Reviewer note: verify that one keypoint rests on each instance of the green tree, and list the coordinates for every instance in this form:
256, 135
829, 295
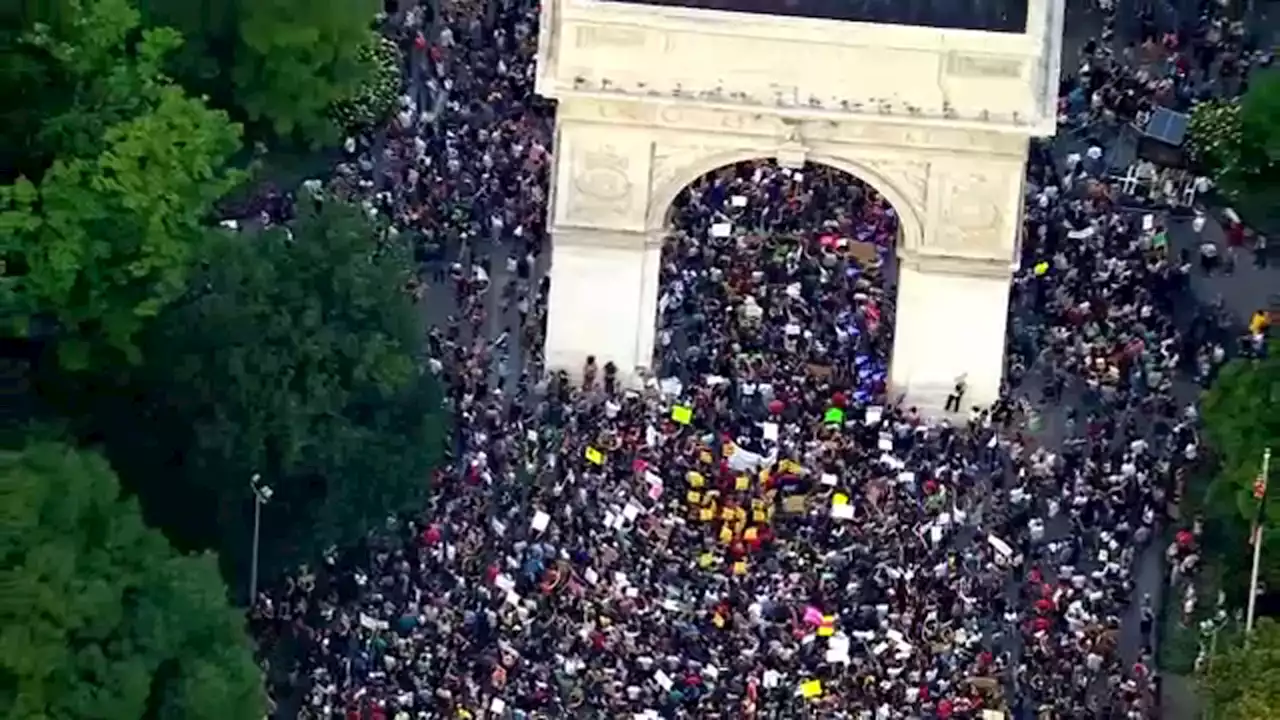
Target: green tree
1260, 125
100, 619
298, 358
1238, 140
106, 237
295, 60
1244, 682
1241, 414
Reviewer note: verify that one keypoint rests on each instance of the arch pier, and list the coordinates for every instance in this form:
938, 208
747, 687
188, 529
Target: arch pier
620, 164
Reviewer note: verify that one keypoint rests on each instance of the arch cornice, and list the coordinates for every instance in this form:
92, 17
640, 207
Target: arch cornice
701, 161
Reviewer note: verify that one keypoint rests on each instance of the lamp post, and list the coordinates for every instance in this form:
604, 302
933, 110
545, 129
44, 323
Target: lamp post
261, 495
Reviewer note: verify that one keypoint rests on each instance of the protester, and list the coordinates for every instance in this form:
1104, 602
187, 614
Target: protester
762, 530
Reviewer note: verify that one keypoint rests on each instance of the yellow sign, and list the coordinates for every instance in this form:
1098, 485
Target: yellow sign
682, 414
594, 456
740, 567
811, 689
840, 499
695, 479
742, 483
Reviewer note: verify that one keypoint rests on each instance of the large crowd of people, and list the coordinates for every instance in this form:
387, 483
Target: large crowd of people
762, 530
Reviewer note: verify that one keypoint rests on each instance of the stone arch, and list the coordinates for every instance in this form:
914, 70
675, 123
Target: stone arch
701, 162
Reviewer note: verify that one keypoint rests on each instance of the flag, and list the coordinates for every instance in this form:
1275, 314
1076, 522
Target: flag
1260, 497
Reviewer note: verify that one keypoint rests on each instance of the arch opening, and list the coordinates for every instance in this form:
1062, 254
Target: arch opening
665, 193
770, 272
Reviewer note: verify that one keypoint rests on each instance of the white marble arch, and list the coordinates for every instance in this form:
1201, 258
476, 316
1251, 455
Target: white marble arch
936, 121
958, 208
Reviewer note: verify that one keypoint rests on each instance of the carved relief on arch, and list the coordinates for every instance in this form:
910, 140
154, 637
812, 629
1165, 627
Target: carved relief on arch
603, 180
908, 177
973, 210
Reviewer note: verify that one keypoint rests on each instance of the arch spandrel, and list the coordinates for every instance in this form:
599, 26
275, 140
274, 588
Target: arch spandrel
676, 167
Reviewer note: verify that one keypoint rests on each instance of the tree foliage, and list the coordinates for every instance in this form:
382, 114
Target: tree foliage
105, 238
375, 100
1239, 140
1244, 682
296, 59
100, 618
1241, 414
296, 359
278, 64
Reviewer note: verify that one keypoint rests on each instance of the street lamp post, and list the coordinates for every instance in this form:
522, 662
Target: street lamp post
261, 495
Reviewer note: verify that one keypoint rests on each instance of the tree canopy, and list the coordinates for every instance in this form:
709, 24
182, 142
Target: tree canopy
190, 355
1241, 414
298, 358
1244, 682
105, 237
101, 618
278, 64
296, 59
1238, 141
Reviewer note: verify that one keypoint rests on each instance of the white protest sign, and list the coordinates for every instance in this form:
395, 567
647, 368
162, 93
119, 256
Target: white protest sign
838, 649
540, 521
738, 201
663, 679
874, 413
1001, 546
842, 512
770, 430
721, 230
369, 623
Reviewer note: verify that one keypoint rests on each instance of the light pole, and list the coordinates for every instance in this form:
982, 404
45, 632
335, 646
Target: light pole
261, 495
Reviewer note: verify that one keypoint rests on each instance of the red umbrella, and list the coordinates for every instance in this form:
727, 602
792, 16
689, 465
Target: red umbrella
776, 407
